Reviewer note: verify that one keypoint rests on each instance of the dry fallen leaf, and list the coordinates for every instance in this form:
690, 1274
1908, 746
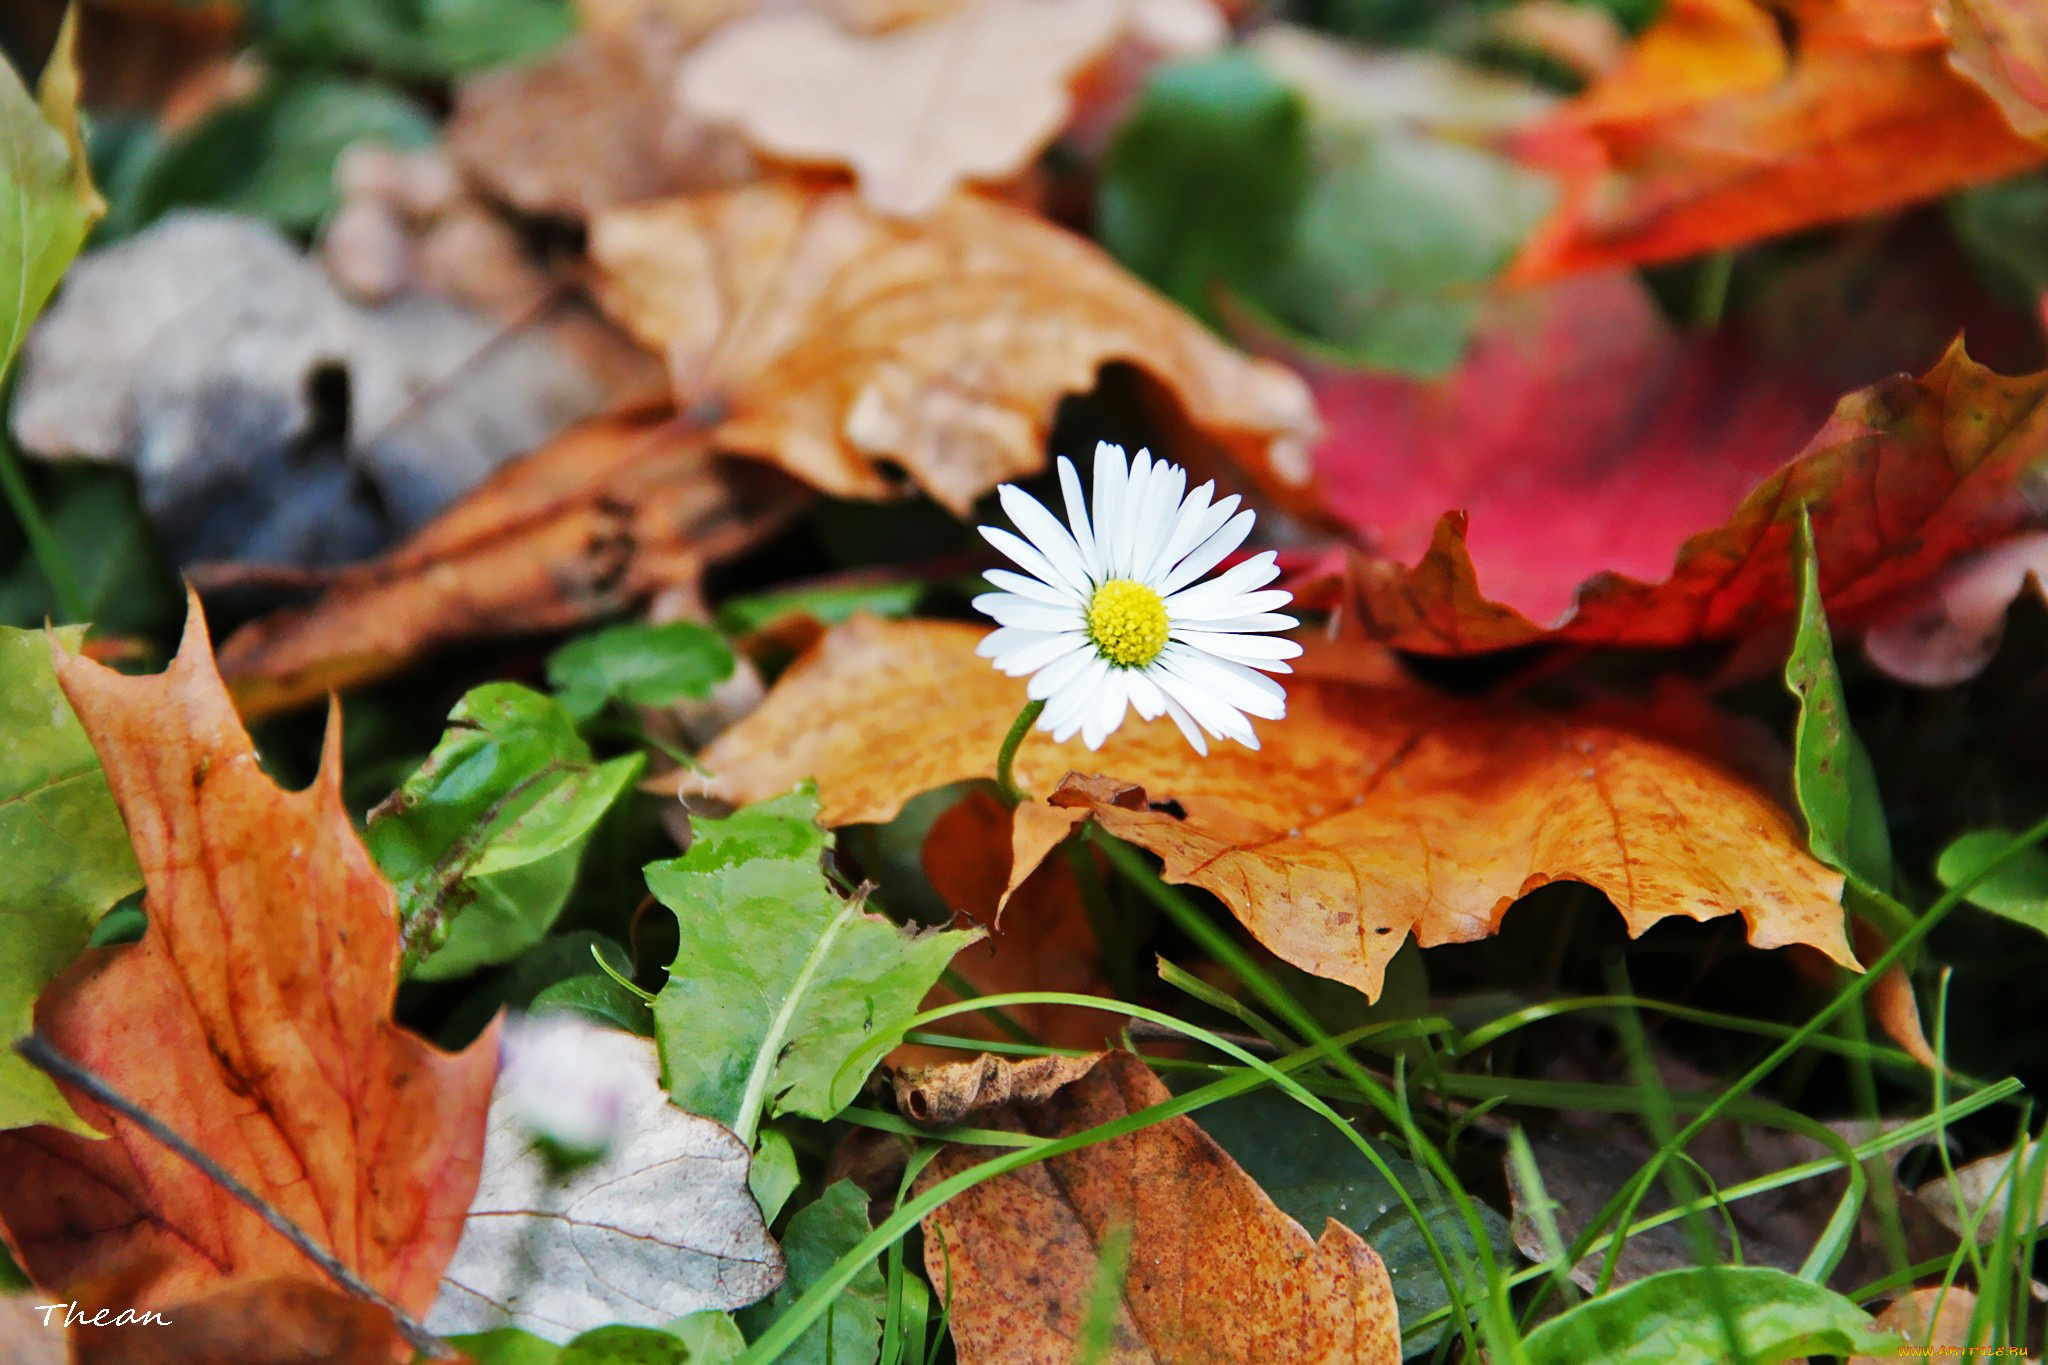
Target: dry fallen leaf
254, 1017
1723, 127
1372, 812
1935, 1321
947, 1092
1216, 1273
1906, 476
915, 110
602, 517
1948, 631
803, 327
2002, 45
1039, 936
659, 1226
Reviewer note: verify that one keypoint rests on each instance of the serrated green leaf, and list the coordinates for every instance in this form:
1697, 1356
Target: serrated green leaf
64, 857
272, 155
850, 1333
47, 200
483, 842
412, 39
641, 665
2017, 891
1314, 1173
1832, 777
1683, 1317
778, 981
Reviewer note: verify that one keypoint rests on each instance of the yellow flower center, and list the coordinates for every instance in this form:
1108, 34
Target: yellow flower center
1127, 623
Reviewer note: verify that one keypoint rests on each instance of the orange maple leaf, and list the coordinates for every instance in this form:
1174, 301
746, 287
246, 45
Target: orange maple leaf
1371, 813
254, 1018
1721, 129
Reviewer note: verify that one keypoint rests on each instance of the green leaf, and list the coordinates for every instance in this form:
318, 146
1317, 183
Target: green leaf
778, 981
1201, 185
47, 201
1682, 1317
642, 665
483, 842
600, 999
614, 1345
2017, 891
850, 1333
98, 527
272, 156
713, 1338
773, 1177
64, 857
828, 606
2003, 227
411, 39
1831, 774
1315, 1173
506, 1346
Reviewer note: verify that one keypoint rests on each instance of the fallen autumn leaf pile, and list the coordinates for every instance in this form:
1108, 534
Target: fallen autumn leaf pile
878, 681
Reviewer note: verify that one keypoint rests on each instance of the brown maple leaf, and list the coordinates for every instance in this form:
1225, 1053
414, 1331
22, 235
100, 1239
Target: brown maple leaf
1217, 1275
803, 327
254, 1018
1372, 811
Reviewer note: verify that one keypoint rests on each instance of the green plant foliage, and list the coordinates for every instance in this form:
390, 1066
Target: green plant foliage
64, 857
411, 39
1356, 229
272, 156
712, 1338
641, 665
2017, 891
1683, 1317
850, 1333
2003, 227
614, 1345
47, 200
773, 1177
779, 981
1831, 772
1314, 1173
98, 528
827, 605
1200, 188
483, 842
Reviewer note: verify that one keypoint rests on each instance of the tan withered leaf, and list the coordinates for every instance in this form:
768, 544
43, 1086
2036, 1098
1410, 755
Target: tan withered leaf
2002, 45
805, 328
602, 517
1371, 813
254, 1018
1216, 1274
914, 110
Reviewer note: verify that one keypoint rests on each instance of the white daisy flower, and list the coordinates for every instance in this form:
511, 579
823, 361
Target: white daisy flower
1113, 611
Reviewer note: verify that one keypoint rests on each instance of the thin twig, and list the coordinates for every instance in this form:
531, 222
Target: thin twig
41, 1055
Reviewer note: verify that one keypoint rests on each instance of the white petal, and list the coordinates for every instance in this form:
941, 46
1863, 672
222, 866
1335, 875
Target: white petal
1223, 595
1077, 519
1041, 654
1072, 704
1054, 676
1235, 684
1008, 640
1246, 605
1189, 730
1008, 609
1243, 648
1208, 554
1044, 531
1024, 585
1146, 698
1238, 625
1110, 479
1019, 550
1209, 711
1156, 525
1188, 521
1107, 712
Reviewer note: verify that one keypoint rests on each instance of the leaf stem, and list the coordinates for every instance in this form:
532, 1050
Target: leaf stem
755, 1097
38, 1052
1006, 782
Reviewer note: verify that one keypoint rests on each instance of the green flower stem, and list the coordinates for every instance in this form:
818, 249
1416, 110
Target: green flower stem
1006, 782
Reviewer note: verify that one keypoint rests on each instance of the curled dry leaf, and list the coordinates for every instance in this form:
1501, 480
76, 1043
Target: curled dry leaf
254, 1019
2002, 45
1721, 128
803, 327
1039, 935
950, 1091
1934, 1321
1215, 1273
1905, 477
604, 516
661, 1225
1946, 633
1371, 813
970, 94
